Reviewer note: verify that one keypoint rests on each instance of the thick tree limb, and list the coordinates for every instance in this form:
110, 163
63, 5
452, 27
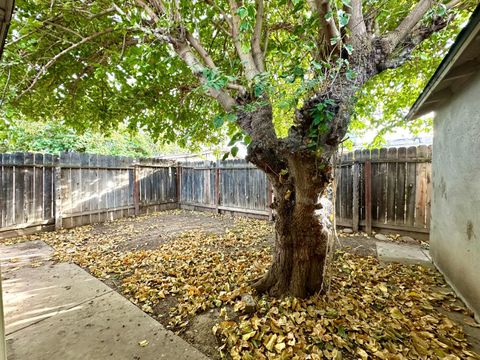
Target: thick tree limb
413, 39
185, 53
207, 59
356, 25
257, 37
329, 29
200, 50
409, 22
148, 10
245, 57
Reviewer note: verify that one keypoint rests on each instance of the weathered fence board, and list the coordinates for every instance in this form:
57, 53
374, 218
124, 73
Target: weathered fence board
227, 186
400, 189
74, 189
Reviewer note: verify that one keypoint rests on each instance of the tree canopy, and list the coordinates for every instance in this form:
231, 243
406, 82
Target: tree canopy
96, 64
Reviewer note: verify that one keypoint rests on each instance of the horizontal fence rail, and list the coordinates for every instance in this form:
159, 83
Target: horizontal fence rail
382, 188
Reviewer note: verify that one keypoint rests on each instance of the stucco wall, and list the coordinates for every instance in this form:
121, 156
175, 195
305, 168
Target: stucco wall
455, 225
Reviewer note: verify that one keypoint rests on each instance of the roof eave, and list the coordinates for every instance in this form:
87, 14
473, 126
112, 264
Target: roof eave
6, 10
463, 39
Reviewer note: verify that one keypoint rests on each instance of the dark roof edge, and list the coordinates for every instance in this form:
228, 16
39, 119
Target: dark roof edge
5, 23
447, 62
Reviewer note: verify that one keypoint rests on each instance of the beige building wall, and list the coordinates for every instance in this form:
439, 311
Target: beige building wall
455, 226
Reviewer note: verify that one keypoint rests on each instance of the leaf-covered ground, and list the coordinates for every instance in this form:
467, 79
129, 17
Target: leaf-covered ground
372, 311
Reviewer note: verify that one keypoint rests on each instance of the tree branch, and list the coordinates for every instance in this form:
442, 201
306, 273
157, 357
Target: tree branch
356, 25
185, 53
200, 50
256, 37
409, 22
148, 10
245, 57
207, 59
63, 28
54, 59
322, 8
413, 39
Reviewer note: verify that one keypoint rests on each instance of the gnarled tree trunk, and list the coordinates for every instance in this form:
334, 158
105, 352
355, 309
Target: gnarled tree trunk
302, 238
302, 235
300, 170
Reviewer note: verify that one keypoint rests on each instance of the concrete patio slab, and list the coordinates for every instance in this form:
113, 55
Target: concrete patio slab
404, 254
60, 312
34, 294
22, 254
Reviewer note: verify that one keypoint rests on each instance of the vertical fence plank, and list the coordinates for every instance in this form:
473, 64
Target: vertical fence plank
376, 183
421, 188
38, 188
136, 190
355, 195
28, 189
382, 189
3, 191
363, 157
18, 174
411, 186
400, 189
391, 188
217, 188
58, 196
368, 196
48, 189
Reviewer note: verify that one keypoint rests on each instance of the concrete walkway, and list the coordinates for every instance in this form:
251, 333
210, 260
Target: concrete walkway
403, 253
59, 311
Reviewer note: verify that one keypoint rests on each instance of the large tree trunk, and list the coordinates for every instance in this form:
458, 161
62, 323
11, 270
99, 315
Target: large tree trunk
303, 236
300, 169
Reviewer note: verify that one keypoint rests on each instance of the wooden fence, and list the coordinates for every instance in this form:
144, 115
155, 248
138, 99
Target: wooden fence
44, 191
386, 188
227, 186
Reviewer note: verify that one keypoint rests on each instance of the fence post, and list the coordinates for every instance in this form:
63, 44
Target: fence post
355, 196
179, 185
136, 189
368, 197
217, 187
57, 185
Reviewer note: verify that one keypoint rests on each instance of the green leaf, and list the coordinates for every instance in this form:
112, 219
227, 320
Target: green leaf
218, 121
334, 40
350, 74
234, 151
349, 48
242, 12
343, 18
